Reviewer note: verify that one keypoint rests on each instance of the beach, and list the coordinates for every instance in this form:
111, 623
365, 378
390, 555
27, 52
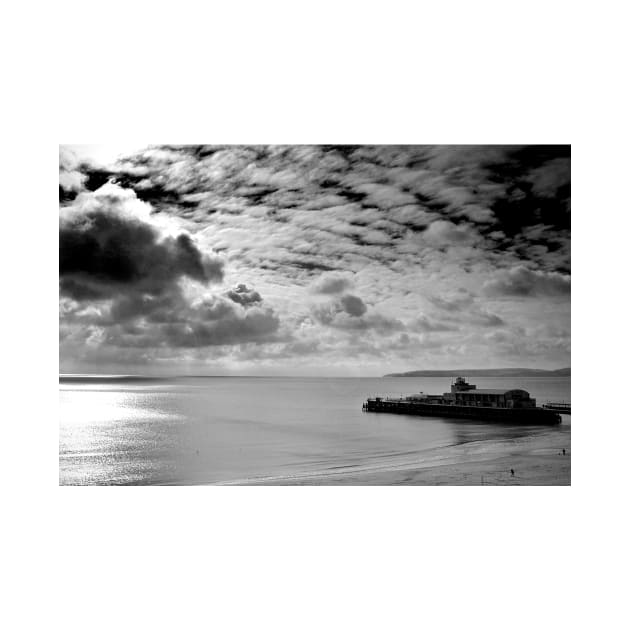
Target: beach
538, 462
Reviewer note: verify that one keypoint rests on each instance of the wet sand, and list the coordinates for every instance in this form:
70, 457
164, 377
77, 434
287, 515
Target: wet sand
536, 462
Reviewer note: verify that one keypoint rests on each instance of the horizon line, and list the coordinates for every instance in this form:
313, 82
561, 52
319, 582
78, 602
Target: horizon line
180, 375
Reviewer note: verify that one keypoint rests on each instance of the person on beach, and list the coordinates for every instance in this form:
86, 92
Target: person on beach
512, 471
564, 452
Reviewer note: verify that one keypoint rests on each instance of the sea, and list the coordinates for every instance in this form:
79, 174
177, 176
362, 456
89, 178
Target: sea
119, 430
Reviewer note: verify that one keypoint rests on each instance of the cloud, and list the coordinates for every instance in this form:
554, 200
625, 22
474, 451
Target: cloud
415, 230
364, 195
243, 295
71, 179
484, 318
458, 310
348, 306
384, 196
441, 233
524, 282
349, 313
426, 324
230, 327
550, 178
353, 305
108, 245
174, 320
174, 323
453, 301
115, 254
331, 283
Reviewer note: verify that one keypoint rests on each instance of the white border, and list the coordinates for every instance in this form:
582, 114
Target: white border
315, 557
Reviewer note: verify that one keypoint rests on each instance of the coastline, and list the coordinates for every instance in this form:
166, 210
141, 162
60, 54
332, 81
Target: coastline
536, 461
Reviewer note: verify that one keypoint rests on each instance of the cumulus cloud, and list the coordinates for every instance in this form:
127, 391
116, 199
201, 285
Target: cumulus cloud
330, 283
346, 305
108, 246
350, 313
131, 270
524, 282
71, 178
230, 327
173, 322
244, 296
352, 305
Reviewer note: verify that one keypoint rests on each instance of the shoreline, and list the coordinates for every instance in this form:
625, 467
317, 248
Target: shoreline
536, 462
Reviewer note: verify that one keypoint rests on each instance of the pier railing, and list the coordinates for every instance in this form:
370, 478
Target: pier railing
396, 396
562, 407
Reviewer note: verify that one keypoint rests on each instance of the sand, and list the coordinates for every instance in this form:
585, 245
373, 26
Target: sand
536, 462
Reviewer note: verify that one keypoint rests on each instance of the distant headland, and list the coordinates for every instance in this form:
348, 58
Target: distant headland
491, 372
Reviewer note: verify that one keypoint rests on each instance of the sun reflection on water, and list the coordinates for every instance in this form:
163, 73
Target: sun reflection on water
113, 436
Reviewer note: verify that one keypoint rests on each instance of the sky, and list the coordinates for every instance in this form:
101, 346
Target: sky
323, 260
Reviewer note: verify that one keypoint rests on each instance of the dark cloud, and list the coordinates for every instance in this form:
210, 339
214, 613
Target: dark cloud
168, 307
349, 313
311, 265
172, 320
255, 325
352, 305
105, 249
112, 254
524, 282
244, 296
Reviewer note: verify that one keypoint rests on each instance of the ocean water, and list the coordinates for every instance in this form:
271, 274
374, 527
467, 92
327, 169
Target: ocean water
199, 430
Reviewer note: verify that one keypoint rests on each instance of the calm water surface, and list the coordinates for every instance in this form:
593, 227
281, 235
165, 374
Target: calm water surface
218, 430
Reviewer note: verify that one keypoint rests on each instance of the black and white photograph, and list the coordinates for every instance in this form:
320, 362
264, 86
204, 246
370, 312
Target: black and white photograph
315, 314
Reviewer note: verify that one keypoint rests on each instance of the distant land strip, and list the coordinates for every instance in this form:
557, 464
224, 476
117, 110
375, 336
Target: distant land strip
107, 378
492, 372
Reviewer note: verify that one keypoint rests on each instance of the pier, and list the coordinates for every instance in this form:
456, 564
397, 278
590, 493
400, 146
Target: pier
561, 407
467, 402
